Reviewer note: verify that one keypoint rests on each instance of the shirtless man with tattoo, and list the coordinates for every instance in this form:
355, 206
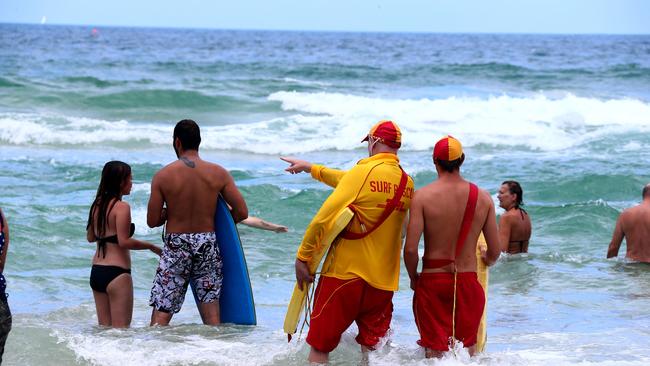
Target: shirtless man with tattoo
184, 197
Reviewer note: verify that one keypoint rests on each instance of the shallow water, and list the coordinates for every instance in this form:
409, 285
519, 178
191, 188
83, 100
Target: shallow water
567, 116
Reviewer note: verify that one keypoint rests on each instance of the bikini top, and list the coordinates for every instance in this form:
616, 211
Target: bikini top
520, 242
465, 226
101, 242
522, 212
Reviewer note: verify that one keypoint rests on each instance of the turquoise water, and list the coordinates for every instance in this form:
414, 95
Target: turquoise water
567, 116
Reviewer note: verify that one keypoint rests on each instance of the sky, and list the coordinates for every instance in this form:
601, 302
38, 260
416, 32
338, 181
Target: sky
448, 16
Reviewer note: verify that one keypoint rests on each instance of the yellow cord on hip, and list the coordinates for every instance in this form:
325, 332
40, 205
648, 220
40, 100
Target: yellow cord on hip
453, 313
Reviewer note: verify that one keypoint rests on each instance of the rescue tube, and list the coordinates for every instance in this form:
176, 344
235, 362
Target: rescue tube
483, 276
299, 297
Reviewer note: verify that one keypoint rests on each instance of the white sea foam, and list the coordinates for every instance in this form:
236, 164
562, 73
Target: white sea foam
139, 218
52, 129
147, 349
537, 122
334, 121
115, 347
633, 146
193, 344
306, 82
141, 188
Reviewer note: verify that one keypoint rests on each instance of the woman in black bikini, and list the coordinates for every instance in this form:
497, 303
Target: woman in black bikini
514, 225
109, 224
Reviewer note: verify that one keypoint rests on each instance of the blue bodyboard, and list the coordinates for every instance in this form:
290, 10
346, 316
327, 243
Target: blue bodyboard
236, 302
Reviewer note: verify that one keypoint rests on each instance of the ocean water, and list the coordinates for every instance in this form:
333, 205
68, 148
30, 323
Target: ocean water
567, 116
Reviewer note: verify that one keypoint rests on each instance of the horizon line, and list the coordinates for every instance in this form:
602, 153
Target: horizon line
324, 30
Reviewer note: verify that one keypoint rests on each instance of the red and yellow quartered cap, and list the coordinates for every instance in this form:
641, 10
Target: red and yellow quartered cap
447, 148
387, 132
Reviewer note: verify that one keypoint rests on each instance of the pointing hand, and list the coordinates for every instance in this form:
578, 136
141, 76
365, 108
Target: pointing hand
297, 165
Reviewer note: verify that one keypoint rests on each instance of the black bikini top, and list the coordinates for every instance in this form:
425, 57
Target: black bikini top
522, 212
101, 242
520, 242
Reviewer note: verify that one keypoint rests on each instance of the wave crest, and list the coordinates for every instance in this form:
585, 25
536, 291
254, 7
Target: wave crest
335, 121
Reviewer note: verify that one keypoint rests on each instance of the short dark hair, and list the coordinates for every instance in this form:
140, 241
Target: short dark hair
450, 165
188, 133
646, 190
515, 188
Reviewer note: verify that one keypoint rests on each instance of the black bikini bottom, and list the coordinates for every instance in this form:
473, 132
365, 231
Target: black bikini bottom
101, 276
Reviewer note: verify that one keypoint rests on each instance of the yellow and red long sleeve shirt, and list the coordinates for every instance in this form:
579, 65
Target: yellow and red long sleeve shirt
368, 186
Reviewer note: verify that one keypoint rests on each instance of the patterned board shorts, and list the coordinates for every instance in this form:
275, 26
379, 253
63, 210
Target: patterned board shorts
187, 257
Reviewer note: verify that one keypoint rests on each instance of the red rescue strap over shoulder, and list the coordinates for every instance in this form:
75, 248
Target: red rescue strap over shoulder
467, 218
390, 207
465, 227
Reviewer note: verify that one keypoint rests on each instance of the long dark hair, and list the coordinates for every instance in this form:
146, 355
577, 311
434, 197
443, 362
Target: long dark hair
114, 175
515, 188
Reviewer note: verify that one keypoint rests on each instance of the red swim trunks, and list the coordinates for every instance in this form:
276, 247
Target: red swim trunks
433, 305
338, 303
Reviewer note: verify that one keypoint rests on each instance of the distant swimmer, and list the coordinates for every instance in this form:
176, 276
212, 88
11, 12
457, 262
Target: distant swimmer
633, 225
451, 213
357, 284
189, 188
109, 224
514, 225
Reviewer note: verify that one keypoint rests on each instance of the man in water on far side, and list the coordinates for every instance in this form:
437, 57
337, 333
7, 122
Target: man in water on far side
633, 225
514, 225
448, 302
189, 187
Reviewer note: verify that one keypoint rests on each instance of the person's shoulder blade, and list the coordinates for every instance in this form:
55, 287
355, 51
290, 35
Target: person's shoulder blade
215, 171
427, 195
484, 195
165, 171
629, 212
485, 200
214, 166
121, 207
169, 166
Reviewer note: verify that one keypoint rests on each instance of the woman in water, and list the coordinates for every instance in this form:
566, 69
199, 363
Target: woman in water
514, 225
109, 224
